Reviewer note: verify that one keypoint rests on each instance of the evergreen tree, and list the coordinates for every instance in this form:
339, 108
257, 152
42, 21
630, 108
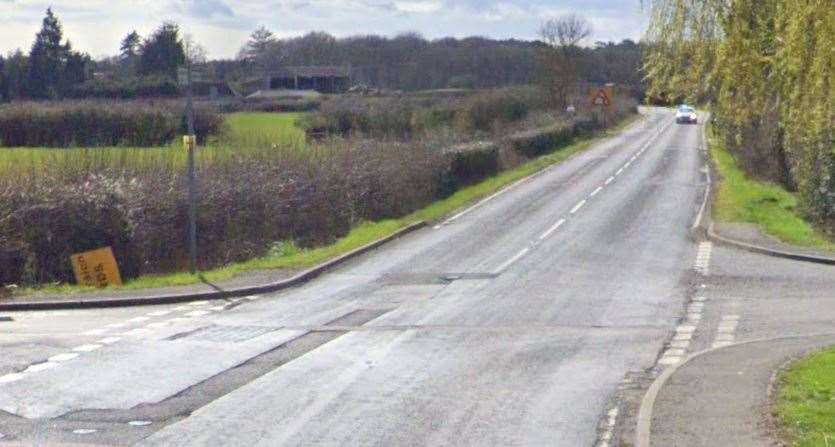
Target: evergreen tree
46, 59
163, 52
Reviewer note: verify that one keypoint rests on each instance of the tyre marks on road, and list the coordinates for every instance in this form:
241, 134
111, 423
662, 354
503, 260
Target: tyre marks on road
189, 312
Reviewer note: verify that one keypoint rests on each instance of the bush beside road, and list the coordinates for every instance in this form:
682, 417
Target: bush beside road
740, 198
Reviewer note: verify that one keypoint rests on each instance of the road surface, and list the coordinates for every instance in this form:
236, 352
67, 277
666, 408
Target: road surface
513, 323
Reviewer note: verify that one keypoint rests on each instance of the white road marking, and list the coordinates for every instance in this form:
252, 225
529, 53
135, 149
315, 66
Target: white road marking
703, 258
596, 191
95, 332
683, 337
686, 329
108, 340
8, 378
40, 367
156, 325
680, 344
84, 431
551, 230
512, 260
86, 348
667, 361
138, 320
135, 332
578, 206
198, 313
627, 165
620, 171
254, 297
609, 181
198, 303
160, 313
180, 308
217, 308
139, 423
116, 325
63, 357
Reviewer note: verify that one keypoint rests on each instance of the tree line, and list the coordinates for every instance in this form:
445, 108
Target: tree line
148, 66
411, 62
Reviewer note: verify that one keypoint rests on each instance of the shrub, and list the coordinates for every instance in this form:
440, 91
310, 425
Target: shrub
95, 123
127, 88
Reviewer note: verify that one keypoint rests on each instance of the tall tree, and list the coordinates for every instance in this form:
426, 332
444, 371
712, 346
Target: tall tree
563, 56
258, 44
47, 58
129, 50
163, 52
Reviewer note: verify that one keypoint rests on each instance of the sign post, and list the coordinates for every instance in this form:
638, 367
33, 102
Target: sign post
96, 268
601, 97
190, 143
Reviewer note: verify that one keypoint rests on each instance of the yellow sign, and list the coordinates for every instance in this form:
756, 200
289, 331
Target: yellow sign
601, 96
96, 268
190, 142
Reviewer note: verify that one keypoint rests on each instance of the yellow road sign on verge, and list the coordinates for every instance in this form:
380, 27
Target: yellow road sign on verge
96, 268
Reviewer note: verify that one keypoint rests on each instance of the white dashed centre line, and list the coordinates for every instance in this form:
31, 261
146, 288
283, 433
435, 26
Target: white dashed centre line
512, 260
40, 367
551, 230
609, 181
8, 378
620, 171
108, 340
159, 313
578, 206
63, 357
596, 191
86, 348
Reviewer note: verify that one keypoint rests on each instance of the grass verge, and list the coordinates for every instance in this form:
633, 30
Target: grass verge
806, 401
769, 206
290, 257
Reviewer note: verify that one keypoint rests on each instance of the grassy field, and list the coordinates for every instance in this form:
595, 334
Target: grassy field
806, 401
258, 129
742, 199
244, 131
291, 257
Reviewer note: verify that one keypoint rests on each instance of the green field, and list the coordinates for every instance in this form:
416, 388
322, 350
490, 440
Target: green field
243, 132
745, 200
806, 401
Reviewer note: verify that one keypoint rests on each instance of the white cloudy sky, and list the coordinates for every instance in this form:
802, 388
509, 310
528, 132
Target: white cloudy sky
96, 26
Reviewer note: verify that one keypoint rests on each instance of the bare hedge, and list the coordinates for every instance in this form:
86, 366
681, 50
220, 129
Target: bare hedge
100, 123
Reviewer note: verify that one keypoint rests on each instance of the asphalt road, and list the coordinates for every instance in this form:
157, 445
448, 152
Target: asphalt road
514, 323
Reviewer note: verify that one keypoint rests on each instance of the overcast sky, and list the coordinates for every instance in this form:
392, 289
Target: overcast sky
96, 26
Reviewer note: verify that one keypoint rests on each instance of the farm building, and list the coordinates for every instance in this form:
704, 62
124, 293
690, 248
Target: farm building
320, 79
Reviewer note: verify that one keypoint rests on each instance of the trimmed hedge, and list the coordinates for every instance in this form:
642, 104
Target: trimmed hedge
100, 123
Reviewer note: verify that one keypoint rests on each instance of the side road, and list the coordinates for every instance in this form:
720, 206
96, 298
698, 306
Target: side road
756, 314
250, 283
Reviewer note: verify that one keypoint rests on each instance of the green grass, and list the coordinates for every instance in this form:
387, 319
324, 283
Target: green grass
290, 257
250, 129
769, 206
244, 132
806, 401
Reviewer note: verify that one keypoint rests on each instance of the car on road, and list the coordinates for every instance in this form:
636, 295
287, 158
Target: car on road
686, 115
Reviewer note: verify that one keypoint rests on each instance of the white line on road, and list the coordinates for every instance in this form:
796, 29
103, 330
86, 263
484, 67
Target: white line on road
138, 320
38, 367
8, 378
511, 261
578, 206
609, 181
596, 191
63, 357
159, 313
86, 348
620, 171
198, 313
551, 230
